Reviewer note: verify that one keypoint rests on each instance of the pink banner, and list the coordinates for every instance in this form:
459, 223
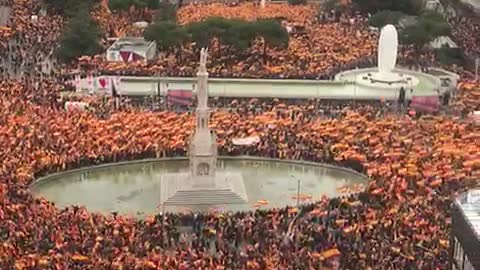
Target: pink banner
425, 103
181, 97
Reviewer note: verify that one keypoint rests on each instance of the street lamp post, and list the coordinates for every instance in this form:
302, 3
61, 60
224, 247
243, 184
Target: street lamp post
477, 64
298, 192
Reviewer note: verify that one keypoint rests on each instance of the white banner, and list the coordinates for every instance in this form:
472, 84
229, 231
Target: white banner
246, 141
104, 83
475, 116
77, 82
75, 106
90, 83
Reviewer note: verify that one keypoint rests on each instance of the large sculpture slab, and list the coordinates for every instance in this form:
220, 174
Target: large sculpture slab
387, 49
387, 56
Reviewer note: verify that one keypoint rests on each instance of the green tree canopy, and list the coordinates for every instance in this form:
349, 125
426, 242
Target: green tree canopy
334, 5
449, 56
119, 5
115, 5
384, 17
272, 31
235, 34
166, 12
428, 27
410, 7
69, 7
239, 35
167, 34
80, 37
297, 2
435, 23
273, 34
200, 33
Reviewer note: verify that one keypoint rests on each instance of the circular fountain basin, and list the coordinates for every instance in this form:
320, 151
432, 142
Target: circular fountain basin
133, 188
390, 81
369, 79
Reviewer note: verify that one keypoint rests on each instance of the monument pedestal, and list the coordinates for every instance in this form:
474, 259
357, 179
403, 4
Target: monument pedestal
181, 189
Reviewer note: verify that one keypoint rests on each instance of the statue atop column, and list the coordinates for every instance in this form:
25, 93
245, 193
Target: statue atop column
203, 145
203, 60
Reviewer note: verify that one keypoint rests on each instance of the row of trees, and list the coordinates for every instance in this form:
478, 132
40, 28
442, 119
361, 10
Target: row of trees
236, 35
82, 34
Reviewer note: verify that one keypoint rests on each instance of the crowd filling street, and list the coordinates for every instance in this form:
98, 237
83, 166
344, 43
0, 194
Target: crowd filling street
417, 162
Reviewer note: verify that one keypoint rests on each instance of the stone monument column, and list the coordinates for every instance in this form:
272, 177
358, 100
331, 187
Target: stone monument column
203, 184
203, 147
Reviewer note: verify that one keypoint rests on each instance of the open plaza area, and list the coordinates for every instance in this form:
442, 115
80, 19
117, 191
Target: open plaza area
239, 135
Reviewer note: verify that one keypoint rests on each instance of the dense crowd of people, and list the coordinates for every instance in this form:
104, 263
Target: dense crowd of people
463, 29
417, 164
399, 222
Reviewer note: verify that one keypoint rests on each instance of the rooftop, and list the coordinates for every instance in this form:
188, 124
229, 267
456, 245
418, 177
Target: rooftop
131, 44
469, 203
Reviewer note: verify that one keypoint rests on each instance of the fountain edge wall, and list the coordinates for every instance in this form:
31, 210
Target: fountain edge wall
154, 160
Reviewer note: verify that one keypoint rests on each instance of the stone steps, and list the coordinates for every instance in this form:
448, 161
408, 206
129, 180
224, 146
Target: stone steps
206, 196
180, 189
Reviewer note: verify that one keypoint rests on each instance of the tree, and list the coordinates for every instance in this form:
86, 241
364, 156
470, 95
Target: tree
166, 12
116, 5
297, 2
428, 27
239, 35
334, 5
151, 4
68, 7
168, 35
120, 5
435, 24
273, 34
410, 7
449, 56
80, 37
415, 35
382, 18
200, 33
234, 33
